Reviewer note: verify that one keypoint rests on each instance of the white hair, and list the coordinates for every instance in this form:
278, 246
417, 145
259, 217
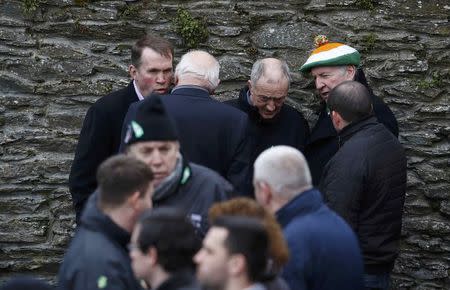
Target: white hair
261, 66
200, 65
284, 169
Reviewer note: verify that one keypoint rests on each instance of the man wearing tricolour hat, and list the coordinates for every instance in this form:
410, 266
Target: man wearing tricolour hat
332, 63
153, 138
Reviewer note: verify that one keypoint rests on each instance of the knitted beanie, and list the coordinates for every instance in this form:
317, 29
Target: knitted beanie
151, 123
330, 54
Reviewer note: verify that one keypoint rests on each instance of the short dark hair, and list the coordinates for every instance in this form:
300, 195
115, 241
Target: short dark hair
247, 236
119, 177
157, 43
172, 235
351, 100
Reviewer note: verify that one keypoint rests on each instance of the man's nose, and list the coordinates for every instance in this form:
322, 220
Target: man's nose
319, 83
156, 158
160, 77
270, 105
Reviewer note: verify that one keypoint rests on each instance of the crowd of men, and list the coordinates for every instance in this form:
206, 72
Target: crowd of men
175, 190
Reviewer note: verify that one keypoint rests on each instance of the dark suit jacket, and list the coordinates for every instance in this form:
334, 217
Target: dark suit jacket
211, 134
99, 139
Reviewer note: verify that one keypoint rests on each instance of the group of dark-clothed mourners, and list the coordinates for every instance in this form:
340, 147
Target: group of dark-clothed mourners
174, 189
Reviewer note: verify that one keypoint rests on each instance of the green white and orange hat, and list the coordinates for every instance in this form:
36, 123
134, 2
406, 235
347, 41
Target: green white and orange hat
330, 54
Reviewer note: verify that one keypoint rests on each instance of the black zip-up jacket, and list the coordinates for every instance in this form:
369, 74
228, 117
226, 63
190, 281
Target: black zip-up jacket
365, 183
323, 143
288, 127
97, 257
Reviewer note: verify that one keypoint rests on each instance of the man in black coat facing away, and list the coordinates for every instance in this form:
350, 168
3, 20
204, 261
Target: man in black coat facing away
365, 181
210, 133
151, 70
98, 257
331, 64
271, 121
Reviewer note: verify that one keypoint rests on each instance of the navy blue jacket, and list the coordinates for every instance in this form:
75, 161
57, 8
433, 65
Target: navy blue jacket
323, 142
324, 250
97, 255
288, 127
211, 134
99, 139
365, 183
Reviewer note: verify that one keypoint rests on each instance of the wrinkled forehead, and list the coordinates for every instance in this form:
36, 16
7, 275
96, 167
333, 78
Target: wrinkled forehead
326, 69
272, 87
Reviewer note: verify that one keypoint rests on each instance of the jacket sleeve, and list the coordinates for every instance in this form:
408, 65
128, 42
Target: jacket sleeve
131, 114
342, 185
94, 146
239, 171
303, 135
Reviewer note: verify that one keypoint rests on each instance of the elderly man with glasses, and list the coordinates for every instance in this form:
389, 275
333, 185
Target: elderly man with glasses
271, 121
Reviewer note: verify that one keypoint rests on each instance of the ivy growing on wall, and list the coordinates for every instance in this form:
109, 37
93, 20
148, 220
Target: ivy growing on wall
192, 30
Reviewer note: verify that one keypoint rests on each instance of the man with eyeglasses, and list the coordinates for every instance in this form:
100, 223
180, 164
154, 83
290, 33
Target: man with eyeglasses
271, 121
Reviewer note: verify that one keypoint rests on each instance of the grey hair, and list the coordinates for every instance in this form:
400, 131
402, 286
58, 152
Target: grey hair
208, 72
259, 68
284, 169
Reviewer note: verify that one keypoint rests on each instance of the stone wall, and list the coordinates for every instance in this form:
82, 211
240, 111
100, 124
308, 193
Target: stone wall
59, 56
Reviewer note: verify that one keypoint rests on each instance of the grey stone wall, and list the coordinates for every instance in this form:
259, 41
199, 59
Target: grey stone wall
58, 57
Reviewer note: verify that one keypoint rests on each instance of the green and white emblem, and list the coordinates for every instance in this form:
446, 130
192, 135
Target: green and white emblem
102, 282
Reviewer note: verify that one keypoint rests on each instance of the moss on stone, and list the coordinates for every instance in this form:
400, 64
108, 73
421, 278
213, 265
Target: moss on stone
30, 6
434, 82
81, 2
128, 11
192, 30
365, 4
368, 41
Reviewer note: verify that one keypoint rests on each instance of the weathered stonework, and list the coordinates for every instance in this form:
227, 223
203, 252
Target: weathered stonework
58, 56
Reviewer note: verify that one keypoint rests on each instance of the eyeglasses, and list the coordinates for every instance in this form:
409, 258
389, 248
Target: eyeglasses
266, 99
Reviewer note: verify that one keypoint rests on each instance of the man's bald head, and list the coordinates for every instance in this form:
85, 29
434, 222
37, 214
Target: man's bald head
270, 70
351, 100
198, 67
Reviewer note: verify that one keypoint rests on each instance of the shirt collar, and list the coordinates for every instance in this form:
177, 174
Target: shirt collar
189, 87
138, 93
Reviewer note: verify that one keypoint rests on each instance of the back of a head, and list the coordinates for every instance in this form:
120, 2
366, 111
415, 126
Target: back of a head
25, 283
201, 66
119, 177
173, 236
351, 100
285, 169
243, 206
248, 237
271, 70
154, 42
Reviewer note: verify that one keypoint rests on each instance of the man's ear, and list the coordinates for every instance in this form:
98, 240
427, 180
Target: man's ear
350, 72
132, 71
249, 83
236, 264
266, 194
337, 120
133, 199
152, 253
